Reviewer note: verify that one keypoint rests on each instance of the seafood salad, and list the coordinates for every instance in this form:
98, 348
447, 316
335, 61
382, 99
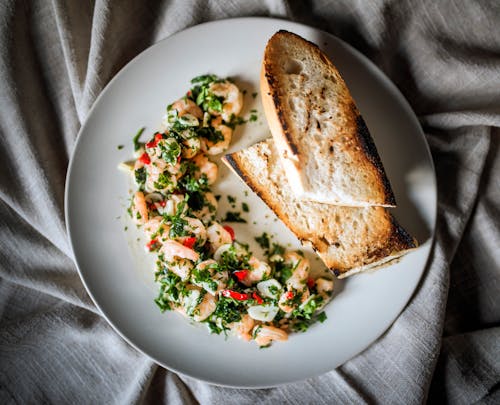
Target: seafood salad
203, 272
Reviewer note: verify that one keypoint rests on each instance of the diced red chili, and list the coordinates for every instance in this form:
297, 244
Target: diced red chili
289, 295
151, 245
240, 274
158, 137
230, 231
257, 298
162, 203
189, 242
235, 295
144, 158
310, 282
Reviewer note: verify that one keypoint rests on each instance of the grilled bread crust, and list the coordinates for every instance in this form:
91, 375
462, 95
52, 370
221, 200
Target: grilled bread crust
348, 239
326, 149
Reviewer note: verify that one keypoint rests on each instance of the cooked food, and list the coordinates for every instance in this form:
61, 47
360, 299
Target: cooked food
324, 145
202, 271
348, 239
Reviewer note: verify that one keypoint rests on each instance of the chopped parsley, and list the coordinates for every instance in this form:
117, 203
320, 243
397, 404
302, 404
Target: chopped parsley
263, 241
254, 94
135, 140
170, 150
119, 147
244, 207
140, 177
232, 216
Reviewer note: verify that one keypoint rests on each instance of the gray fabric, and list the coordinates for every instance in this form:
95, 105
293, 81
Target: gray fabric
55, 59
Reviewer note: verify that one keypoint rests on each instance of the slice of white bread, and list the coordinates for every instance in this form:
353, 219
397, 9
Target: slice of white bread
348, 239
325, 146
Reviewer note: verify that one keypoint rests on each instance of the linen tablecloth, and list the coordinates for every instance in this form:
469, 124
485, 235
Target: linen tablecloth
56, 57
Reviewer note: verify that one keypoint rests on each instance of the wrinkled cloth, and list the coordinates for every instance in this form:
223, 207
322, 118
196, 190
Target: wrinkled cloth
56, 57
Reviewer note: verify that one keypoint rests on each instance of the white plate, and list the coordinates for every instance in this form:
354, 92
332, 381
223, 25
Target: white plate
118, 274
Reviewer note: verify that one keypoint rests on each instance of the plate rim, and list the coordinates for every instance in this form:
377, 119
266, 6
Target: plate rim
387, 81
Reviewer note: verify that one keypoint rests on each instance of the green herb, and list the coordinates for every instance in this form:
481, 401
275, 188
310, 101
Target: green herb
204, 276
140, 177
204, 80
235, 121
322, 317
233, 217
276, 250
228, 310
211, 134
163, 182
231, 199
254, 94
245, 207
120, 147
135, 140
253, 118
178, 228
217, 197
196, 201
170, 150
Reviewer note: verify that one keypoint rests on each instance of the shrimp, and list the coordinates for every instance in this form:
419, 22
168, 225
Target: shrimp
172, 249
139, 208
300, 273
185, 106
198, 304
155, 226
324, 286
287, 303
191, 147
244, 327
219, 146
233, 99
194, 227
205, 308
264, 334
218, 279
207, 167
161, 176
217, 236
182, 268
258, 270
172, 205
209, 207
296, 283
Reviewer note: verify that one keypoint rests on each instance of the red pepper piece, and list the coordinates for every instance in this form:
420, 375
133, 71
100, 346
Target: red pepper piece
179, 159
189, 242
257, 298
235, 295
240, 274
289, 295
158, 137
144, 158
310, 282
230, 231
162, 203
151, 244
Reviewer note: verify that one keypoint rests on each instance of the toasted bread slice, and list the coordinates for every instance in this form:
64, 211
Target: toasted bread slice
348, 239
325, 146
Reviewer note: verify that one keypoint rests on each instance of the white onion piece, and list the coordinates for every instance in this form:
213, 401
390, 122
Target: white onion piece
263, 313
265, 288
